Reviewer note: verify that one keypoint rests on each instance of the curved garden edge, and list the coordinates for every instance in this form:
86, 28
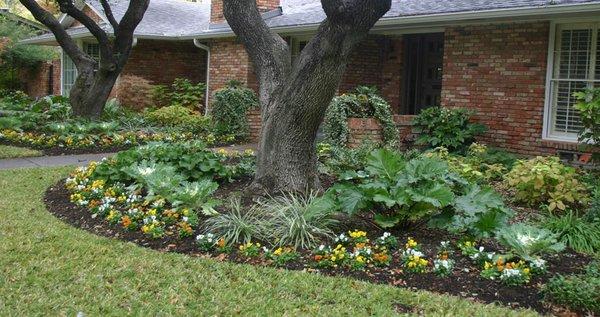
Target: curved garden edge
465, 283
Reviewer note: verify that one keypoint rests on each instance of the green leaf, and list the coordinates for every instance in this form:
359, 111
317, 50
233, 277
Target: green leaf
385, 163
386, 221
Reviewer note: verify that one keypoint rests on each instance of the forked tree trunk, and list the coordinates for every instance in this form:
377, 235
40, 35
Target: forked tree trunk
92, 88
294, 98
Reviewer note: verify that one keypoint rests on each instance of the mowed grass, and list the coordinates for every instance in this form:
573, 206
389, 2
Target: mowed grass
49, 268
8, 151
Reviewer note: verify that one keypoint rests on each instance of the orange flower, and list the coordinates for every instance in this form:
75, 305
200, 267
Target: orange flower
221, 243
94, 203
360, 246
126, 221
318, 258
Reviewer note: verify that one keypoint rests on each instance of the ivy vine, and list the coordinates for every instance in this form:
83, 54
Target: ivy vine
363, 102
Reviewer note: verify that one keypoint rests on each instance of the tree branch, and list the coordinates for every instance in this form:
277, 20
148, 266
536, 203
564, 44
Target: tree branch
131, 19
68, 7
109, 15
268, 52
62, 37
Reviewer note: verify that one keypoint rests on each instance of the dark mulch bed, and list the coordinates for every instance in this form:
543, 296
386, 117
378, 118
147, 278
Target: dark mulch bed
57, 150
465, 281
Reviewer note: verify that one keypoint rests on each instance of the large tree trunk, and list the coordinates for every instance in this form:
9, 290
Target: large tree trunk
294, 98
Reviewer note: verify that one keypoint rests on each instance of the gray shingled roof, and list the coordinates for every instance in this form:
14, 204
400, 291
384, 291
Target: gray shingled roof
174, 19
163, 19
303, 12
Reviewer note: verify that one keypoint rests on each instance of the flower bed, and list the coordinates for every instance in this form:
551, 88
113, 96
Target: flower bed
171, 197
463, 278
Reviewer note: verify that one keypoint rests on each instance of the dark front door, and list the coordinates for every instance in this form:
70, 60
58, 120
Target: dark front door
423, 64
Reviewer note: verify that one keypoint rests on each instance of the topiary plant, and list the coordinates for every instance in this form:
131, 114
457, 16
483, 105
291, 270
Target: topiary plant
450, 128
364, 102
545, 180
229, 109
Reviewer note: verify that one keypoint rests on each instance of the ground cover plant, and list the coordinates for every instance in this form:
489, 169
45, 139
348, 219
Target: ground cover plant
407, 219
7, 151
48, 124
86, 271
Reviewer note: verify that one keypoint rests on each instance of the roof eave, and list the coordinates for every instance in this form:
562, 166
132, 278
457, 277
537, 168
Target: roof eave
521, 12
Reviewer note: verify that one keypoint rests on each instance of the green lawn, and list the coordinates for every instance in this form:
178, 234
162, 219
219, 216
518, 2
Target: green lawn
50, 268
7, 151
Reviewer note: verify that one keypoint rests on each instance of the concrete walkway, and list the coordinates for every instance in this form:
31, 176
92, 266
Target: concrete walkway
49, 161
81, 159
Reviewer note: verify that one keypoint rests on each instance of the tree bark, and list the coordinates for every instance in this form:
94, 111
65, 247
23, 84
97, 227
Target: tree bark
92, 87
294, 98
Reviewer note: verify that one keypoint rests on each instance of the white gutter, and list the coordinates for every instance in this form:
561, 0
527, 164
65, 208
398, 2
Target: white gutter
207, 49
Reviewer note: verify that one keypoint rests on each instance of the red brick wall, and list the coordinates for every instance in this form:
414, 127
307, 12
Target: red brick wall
229, 61
216, 10
255, 123
56, 75
89, 12
369, 130
161, 62
376, 62
500, 71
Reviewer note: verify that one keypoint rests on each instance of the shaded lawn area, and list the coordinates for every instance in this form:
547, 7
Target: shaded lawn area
50, 268
9, 151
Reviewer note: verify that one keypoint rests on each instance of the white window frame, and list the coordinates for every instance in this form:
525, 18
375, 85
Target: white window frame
550, 71
63, 57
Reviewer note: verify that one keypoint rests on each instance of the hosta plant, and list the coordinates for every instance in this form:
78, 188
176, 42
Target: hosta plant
545, 180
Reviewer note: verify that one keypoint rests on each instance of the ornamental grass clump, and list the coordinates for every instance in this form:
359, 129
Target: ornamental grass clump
302, 222
546, 181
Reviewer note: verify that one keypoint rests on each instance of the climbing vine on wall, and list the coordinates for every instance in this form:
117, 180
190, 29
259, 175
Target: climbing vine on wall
363, 102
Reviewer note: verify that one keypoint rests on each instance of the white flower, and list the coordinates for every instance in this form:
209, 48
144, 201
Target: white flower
538, 263
199, 237
508, 273
526, 240
321, 247
144, 171
185, 219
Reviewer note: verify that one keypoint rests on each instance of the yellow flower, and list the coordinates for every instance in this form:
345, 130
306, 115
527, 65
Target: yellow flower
410, 244
357, 234
152, 212
278, 251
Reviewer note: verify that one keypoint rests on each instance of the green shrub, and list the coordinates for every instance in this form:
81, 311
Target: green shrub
475, 165
545, 180
528, 241
179, 117
363, 102
588, 105
578, 292
450, 128
229, 109
302, 222
10, 123
578, 233
182, 92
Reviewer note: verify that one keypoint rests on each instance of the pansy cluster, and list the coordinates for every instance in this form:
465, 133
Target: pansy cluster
355, 251
506, 268
413, 259
443, 264
127, 206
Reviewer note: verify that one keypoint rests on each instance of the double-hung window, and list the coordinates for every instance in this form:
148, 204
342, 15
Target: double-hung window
576, 66
69, 71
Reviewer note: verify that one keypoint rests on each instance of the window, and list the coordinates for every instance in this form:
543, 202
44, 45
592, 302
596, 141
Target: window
70, 71
69, 75
576, 67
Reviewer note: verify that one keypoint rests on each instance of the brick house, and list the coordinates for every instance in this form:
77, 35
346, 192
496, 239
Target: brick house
515, 62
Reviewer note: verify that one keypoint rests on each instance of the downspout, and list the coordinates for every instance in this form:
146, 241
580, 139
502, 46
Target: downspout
207, 49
